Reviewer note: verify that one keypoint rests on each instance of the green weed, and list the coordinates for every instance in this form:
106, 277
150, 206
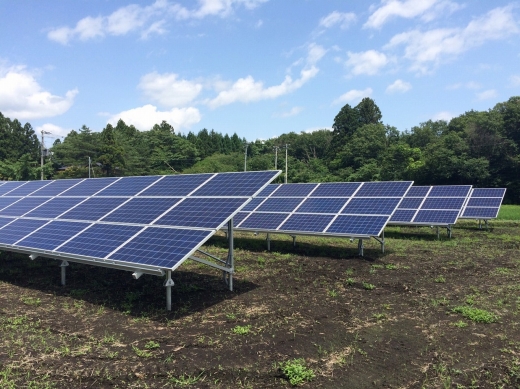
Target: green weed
368, 286
297, 372
475, 314
242, 330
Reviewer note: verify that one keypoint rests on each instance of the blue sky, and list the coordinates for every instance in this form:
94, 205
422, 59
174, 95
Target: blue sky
259, 68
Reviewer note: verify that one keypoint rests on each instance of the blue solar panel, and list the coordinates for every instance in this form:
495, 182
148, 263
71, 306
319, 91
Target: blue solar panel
162, 247
28, 188
322, 205
128, 186
23, 206
488, 192
418, 191
99, 240
383, 189
235, 184
93, 209
201, 212
358, 225
179, 185
485, 202
436, 216
89, 187
363, 206
450, 191
307, 223
239, 217
10, 186
52, 235
481, 213
253, 204
141, 210
7, 201
411, 203
336, 189
56, 187
5, 220
18, 229
403, 215
444, 203
268, 190
294, 190
264, 221
55, 207
285, 204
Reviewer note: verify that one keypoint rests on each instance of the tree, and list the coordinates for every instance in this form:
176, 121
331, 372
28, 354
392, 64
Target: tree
111, 157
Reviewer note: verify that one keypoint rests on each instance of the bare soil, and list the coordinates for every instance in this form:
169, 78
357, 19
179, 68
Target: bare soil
379, 321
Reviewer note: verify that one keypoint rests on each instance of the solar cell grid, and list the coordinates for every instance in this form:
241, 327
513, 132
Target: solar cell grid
263, 221
54, 207
234, 184
29, 187
411, 203
322, 205
10, 186
52, 235
366, 206
178, 185
89, 187
128, 186
56, 187
239, 217
253, 204
443, 203
284, 204
7, 201
162, 247
307, 222
418, 191
93, 209
436, 216
383, 189
358, 225
482, 213
403, 215
484, 202
141, 210
268, 190
336, 189
23, 206
450, 191
5, 220
294, 190
13, 232
488, 192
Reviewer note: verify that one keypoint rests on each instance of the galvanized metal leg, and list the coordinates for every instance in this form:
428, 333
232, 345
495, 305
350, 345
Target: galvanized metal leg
438, 236
485, 221
448, 230
63, 266
168, 284
360, 247
383, 242
230, 258
294, 240
268, 242
479, 224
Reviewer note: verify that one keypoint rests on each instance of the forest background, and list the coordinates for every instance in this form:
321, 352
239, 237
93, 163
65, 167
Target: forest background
481, 148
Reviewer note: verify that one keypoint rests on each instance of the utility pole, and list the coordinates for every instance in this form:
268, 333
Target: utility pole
276, 157
245, 156
41, 153
89, 164
286, 148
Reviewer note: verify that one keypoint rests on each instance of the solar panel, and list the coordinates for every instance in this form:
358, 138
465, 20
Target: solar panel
151, 223
483, 203
352, 209
431, 205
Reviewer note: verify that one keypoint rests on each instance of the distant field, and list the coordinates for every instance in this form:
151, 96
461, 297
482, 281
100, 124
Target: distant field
509, 212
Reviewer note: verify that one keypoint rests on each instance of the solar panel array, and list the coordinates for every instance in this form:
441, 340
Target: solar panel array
352, 209
151, 222
484, 203
431, 205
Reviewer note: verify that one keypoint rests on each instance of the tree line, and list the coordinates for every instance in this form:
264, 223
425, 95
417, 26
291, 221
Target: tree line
481, 148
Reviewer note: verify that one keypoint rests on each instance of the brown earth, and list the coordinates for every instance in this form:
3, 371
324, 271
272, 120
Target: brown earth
381, 321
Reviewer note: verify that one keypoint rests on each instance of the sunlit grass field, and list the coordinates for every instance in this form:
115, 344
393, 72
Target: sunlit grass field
509, 212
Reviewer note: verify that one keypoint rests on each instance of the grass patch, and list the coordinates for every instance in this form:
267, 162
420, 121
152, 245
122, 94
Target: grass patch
297, 372
476, 314
509, 212
242, 330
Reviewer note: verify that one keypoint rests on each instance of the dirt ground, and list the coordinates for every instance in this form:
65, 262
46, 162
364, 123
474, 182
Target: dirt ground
425, 314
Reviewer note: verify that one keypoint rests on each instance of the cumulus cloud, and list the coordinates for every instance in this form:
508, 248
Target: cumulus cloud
426, 50
443, 115
487, 94
144, 118
466, 85
247, 90
341, 19
166, 89
353, 96
146, 19
292, 112
366, 62
426, 9
21, 96
399, 86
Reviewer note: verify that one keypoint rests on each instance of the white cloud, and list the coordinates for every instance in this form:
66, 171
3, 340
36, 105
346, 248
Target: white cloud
467, 85
21, 96
144, 118
53, 131
366, 62
353, 96
515, 80
428, 49
443, 115
344, 20
487, 94
426, 9
399, 86
167, 90
147, 19
292, 112
314, 129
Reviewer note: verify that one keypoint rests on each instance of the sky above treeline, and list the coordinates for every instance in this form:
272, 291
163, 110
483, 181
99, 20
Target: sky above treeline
259, 68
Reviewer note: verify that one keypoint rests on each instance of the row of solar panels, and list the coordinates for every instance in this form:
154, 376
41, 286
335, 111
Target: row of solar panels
365, 207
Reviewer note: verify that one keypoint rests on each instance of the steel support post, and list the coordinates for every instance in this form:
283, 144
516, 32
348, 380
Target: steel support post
383, 242
360, 247
448, 230
230, 259
268, 242
168, 284
438, 235
479, 224
294, 240
486, 222
63, 266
